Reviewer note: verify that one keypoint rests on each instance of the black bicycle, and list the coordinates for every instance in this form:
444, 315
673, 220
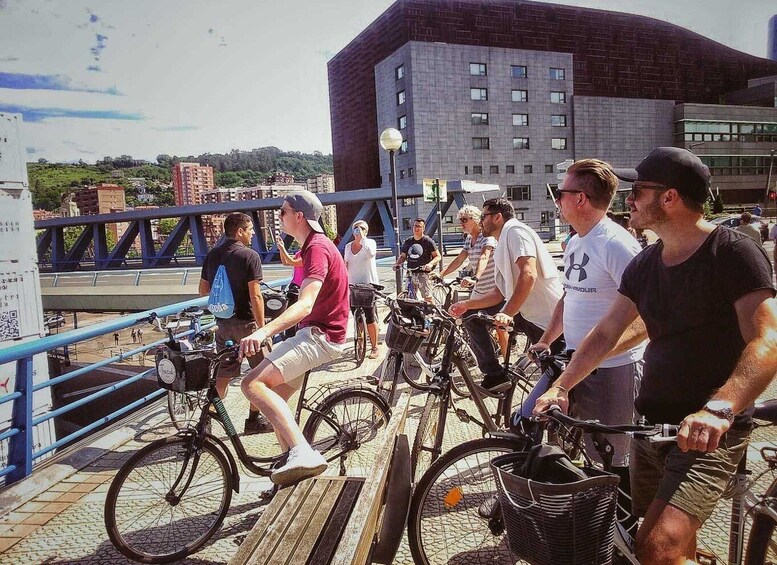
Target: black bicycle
171, 496
363, 297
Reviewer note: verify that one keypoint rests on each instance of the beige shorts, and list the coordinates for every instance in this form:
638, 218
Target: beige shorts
303, 352
692, 481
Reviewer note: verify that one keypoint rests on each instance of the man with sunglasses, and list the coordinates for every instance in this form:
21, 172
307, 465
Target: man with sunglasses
706, 296
321, 312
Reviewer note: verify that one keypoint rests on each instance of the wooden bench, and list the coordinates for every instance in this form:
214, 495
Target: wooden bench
338, 520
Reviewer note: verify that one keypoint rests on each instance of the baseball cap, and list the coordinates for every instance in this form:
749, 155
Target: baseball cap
310, 206
672, 167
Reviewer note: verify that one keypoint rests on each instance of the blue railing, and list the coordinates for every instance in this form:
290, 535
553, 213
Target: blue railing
20, 435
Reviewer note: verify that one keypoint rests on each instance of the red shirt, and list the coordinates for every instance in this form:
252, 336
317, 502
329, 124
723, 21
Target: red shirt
322, 261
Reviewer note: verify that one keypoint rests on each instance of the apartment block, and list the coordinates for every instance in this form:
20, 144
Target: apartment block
189, 181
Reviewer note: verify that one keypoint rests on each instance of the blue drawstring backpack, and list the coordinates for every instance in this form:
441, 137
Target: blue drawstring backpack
221, 302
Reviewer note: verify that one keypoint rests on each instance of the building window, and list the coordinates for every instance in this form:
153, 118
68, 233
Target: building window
448, 219
558, 143
480, 143
545, 218
477, 69
401, 122
519, 192
466, 169
558, 120
548, 168
527, 169
410, 172
403, 147
401, 173
518, 71
478, 94
477, 170
479, 119
558, 97
408, 202
520, 119
510, 169
520, 95
399, 72
494, 169
556, 74
400, 97
406, 223
520, 143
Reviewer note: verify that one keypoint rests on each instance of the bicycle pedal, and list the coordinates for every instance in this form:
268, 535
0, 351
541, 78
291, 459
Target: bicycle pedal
705, 557
462, 415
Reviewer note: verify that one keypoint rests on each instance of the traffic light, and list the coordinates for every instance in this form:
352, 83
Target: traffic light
772, 195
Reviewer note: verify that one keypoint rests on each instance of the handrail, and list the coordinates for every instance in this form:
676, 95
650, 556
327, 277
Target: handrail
20, 436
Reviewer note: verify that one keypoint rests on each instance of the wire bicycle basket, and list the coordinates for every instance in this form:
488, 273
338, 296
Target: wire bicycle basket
406, 328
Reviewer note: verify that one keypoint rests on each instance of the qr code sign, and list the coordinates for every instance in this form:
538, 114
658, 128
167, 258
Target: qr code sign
9, 325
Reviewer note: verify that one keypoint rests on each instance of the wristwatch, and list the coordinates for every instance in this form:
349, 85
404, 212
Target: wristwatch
721, 409
474, 278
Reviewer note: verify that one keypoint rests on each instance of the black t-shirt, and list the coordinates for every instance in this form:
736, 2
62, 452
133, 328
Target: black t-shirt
689, 313
243, 265
418, 251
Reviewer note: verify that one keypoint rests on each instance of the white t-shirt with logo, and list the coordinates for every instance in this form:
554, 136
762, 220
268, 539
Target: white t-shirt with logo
361, 266
593, 267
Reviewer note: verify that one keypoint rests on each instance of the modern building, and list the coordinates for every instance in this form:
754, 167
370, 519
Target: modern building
189, 180
500, 91
103, 198
321, 183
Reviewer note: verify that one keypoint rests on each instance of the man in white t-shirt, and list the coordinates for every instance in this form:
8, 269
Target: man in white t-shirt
362, 268
594, 262
526, 277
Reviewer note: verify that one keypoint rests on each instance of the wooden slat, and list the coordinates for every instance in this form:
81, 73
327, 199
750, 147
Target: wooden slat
330, 537
360, 531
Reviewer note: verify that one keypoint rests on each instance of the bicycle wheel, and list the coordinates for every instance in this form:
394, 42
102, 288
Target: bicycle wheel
444, 525
166, 502
464, 363
360, 337
439, 294
427, 445
390, 370
762, 543
184, 408
343, 423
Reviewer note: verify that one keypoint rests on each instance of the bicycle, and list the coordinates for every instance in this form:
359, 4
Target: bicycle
362, 298
453, 494
171, 497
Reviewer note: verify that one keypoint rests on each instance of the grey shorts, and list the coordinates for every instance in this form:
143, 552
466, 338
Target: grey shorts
691, 481
234, 329
303, 352
423, 285
608, 396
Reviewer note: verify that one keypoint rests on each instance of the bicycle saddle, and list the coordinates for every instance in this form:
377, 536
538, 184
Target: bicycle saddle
766, 410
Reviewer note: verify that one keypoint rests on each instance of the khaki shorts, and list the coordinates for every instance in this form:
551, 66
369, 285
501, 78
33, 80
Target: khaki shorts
423, 284
303, 352
234, 329
691, 481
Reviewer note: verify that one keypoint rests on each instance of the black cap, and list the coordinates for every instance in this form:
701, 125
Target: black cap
672, 167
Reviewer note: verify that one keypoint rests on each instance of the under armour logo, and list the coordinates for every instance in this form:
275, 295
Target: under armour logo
582, 275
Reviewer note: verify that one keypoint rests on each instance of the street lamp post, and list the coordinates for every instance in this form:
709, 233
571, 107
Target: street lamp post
391, 141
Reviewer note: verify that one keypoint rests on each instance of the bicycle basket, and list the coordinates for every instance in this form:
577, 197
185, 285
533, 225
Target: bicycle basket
362, 296
181, 371
406, 328
547, 523
275, 303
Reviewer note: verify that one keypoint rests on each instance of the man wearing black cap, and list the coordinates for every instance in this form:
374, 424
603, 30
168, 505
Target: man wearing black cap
706, 296
322, 315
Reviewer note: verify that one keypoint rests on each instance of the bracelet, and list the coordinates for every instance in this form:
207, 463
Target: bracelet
561, 388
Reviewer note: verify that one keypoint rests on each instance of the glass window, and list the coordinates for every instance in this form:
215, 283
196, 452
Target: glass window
408, 201
401, 173
510, 169
478, 94
400, 97
558, 120
527, 169
556, 74
480, 143
410, 171
403, 147
558, 97
518, 71
545, 218
479, 119
494, 169
448, 219
520, 119
477, 69
558, 143
477, 170
466, 169
548, 168
520, 143
520, 95
399, 72
406, 223
402, 122
519, 192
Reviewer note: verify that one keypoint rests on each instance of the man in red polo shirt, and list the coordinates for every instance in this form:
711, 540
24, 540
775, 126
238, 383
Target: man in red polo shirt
322, 315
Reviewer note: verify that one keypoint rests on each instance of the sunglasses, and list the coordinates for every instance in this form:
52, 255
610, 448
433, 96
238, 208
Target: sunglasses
464, 220
637, 188
283, 211
484, 214
561, 192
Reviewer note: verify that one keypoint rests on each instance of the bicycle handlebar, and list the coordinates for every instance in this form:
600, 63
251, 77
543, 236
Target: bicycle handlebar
659, 433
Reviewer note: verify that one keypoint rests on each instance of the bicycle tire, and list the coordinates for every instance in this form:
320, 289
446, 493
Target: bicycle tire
343, 422
143, 525
183, 408
360, 337
762, 544
427, 444
389, 376
440, 295
464, 363
443, 522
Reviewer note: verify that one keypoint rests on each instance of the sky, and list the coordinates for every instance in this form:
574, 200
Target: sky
96, 78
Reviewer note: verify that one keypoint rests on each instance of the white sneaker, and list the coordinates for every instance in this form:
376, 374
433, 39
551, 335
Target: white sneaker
303, 462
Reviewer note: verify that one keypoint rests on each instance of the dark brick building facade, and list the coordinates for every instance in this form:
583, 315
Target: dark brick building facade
615, 55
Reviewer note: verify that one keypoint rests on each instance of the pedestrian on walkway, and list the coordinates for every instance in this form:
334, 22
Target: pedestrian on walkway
140, 335
116, 338
134, 336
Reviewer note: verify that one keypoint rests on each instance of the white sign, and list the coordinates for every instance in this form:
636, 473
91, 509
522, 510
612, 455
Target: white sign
430, 190
564, 165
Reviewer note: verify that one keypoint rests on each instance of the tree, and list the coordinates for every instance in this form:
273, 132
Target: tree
717, 205
166, 225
